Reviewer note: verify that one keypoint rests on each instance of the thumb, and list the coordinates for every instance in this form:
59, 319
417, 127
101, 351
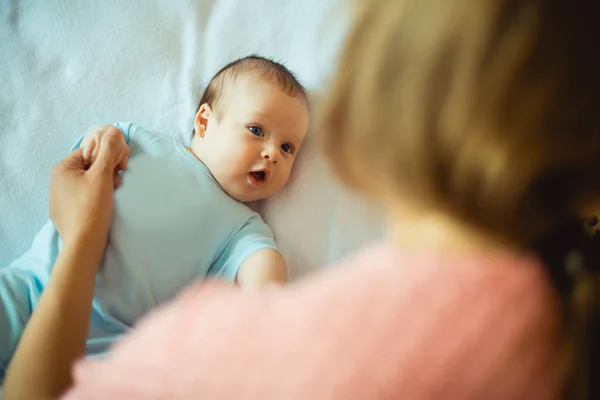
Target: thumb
74, 161
107, 159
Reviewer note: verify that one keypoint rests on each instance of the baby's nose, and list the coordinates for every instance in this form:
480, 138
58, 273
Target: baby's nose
269, 154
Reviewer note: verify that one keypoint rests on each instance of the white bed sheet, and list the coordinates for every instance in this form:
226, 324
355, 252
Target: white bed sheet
68, 65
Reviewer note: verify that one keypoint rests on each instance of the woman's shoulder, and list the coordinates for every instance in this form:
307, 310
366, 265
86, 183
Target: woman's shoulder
505, 288
445, 277
491, 314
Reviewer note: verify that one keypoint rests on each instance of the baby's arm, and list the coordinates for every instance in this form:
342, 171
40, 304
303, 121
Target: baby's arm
91, 143
265, 267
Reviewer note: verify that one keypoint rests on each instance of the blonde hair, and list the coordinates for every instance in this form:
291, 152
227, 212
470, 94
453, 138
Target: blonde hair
487, 110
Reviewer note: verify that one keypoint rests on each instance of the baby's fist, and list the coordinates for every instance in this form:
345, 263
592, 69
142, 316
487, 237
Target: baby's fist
91, 144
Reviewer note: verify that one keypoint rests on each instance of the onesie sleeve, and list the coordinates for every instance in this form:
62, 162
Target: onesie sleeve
124, 127
253, 236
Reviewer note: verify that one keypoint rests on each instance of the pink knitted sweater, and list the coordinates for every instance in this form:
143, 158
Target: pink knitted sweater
384, 324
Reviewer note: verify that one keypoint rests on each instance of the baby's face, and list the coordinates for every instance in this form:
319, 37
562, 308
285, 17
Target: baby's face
251, 148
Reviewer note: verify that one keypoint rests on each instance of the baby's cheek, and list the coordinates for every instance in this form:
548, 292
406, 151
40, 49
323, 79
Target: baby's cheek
284, 179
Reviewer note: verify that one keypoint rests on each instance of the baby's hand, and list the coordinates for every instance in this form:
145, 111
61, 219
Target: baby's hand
91, 144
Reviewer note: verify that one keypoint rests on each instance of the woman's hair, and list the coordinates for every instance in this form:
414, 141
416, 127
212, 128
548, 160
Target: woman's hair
488, 110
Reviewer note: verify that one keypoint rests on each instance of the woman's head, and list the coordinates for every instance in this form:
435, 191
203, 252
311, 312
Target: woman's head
488, 110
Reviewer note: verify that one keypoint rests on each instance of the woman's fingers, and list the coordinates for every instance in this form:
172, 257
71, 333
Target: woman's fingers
107, 151
108, 154
117, 179
124, 161
88, 149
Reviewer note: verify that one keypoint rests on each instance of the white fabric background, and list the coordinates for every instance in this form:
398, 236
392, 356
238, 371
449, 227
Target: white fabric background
68, 65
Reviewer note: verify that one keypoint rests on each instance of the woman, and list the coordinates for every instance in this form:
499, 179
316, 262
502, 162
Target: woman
475, 126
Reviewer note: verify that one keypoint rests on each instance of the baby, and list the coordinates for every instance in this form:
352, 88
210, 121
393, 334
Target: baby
179, 215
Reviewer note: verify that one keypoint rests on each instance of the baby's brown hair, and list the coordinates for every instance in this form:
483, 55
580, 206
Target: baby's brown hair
257, 66
488, 111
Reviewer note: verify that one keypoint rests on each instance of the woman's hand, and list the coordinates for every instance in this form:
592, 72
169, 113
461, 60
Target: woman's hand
81, 204
90, 146
81, 200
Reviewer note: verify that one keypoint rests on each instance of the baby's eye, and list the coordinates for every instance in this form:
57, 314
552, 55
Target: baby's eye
288, 148
256, 130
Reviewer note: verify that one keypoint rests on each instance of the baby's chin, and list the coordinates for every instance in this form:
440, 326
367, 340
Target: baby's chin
247, 196
249, 199
247, 192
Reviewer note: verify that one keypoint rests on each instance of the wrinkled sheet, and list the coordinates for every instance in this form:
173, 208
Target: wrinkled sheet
68, 65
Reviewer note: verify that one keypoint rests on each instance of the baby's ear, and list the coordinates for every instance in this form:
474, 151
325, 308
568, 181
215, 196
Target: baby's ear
201, 120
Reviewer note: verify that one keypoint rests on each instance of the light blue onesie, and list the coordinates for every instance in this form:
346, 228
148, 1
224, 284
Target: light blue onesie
172, 225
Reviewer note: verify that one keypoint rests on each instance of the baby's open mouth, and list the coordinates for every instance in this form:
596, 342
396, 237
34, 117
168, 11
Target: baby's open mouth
260, 175
257, 178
